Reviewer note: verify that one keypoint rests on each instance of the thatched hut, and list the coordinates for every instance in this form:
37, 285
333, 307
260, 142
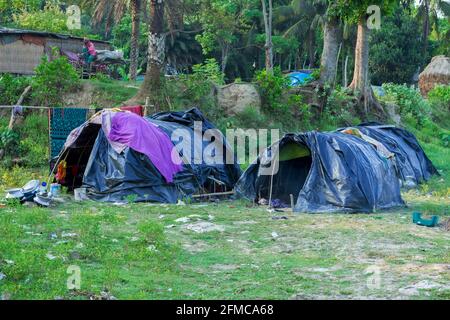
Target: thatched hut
437, 72
21, 50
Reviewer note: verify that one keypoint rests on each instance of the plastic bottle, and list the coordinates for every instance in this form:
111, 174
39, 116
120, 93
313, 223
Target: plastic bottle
43, 188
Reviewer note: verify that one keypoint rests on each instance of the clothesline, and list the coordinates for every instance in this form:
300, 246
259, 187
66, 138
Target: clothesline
46, 108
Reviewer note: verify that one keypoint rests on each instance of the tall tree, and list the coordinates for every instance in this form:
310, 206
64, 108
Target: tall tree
358, 11
330, 53
305, 17
151, 87
268, 19
135, 8
428, 12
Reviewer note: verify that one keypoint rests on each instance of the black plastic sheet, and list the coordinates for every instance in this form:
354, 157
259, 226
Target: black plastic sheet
346, 174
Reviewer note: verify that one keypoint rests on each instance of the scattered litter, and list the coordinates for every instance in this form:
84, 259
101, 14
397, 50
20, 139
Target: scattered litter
10, 262
180, 203
50, 256
134, 239
34, 233
114, 240
105, 295
53, 236
2, 276
152, 248
170, 226
274, 235
161, 216
69, 235
202, 227
183, 220
279, 218
199, 206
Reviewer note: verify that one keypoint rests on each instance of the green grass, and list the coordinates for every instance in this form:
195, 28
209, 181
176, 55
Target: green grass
112, 93
141, 251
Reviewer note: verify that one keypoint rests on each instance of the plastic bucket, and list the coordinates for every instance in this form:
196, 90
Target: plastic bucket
80, 194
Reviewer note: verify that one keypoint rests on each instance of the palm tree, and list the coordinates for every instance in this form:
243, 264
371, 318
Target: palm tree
111, 11
151, 87
428, 12
305, 17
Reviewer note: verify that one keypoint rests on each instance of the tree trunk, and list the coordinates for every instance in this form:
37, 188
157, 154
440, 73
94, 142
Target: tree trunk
134, 53
330, 52
361, 71
268, 30
426, 25
225, 51
361, 83
13, 118
311, 48
152, 85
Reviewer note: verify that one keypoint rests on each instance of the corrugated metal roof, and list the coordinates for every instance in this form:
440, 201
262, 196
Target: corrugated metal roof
11, 31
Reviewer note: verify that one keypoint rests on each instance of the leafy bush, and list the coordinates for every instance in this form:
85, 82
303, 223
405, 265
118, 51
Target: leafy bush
53, 79
409, 100
301, 111
272, 87
209, 70
8, 140
33, 146
339, 110
439, 99
11, 88
198, 85
393, 54
250, 117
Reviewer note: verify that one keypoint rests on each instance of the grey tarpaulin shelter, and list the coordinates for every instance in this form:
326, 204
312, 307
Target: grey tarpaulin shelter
325, 172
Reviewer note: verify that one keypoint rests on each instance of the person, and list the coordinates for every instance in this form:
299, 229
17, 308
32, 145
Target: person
89, 53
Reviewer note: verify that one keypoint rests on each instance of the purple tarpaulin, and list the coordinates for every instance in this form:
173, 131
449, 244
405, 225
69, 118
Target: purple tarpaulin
144, 137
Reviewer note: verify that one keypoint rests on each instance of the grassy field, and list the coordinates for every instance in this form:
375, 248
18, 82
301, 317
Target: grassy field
229, 250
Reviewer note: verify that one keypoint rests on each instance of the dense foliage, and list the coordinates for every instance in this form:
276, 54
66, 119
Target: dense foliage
53, 79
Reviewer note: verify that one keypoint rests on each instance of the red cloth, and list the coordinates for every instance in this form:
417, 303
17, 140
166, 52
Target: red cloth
139, 110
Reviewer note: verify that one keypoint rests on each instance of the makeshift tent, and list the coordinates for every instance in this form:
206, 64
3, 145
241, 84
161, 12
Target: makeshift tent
117, 155
325, 172
412, 164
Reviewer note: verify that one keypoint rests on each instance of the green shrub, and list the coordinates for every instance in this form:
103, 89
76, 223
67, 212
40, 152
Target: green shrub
53, 79
209, 70
339, 110
272, 87
11, 88
250, 117
301, 111
409, 100
439, 100
8, 140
